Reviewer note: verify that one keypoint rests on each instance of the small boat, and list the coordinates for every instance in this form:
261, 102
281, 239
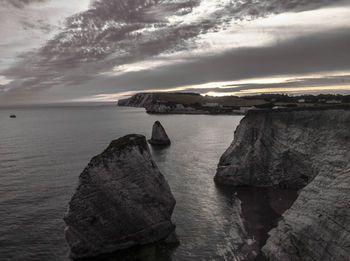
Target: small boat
13, 116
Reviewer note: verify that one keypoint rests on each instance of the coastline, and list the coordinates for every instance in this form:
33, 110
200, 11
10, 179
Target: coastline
195, 104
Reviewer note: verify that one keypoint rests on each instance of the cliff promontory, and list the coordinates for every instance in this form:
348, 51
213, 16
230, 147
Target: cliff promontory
137, 100
306, 150
190, 103
122, 201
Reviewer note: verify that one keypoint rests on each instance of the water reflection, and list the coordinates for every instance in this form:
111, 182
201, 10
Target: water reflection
153, 252
261, 209
159, 152
44, 151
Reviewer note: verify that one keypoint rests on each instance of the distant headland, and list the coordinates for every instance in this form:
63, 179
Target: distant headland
194, 103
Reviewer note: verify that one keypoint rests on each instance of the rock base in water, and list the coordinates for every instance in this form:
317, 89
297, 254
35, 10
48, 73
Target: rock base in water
122, 201
159, 136
306, 150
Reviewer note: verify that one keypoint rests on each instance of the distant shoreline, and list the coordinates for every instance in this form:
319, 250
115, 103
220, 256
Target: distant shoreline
59, 105
195, 104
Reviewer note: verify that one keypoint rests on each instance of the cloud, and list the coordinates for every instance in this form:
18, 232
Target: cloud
20, 3
118, 33
29, 25
321, 52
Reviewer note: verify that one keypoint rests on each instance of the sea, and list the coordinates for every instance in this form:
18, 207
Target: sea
44, 149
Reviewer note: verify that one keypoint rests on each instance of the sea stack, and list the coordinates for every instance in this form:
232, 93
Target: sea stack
159, 136
122, 201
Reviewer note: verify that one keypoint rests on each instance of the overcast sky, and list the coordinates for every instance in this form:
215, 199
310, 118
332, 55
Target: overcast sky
80, 50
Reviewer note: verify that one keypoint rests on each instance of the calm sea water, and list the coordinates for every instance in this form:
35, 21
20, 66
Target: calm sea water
43, 151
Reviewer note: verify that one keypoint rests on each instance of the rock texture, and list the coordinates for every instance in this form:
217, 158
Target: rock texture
303, 149
317, 226
122, 201
286, 148
159, 136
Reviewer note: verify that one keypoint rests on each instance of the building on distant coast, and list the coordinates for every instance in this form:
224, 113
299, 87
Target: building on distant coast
211, 104
244, 110
278, 107
333, 102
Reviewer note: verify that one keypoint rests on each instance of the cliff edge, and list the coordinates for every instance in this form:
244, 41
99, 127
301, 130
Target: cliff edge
306, 150
286, 149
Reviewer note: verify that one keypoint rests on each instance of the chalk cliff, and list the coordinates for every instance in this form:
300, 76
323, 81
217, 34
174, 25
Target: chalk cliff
306, 150
286, 148
138, 100
122, 201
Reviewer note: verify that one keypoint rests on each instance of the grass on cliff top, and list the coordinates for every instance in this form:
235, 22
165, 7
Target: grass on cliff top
189, 98
181, 98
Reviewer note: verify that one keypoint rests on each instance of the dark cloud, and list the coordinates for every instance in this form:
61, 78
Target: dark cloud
317, 53
125, 31
294, 85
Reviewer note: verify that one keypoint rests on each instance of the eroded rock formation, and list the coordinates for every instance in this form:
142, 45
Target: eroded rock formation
159, 136
301, 149
122, 201
286, 148
317, 226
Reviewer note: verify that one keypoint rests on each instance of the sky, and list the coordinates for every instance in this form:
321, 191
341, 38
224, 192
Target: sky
57, 51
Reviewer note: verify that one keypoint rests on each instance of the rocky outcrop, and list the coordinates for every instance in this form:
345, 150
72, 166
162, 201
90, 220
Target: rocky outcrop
159, 136
155, 105
285, 148
306, 150
122, 201
317, 226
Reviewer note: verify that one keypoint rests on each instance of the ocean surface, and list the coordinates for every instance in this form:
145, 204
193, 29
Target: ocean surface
43, 151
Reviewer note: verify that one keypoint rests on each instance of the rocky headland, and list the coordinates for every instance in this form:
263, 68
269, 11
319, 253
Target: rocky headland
194, 103
190, 103
306, 150
159, 135
122, 201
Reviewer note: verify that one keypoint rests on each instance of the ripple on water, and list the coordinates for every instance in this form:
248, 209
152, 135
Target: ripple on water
43, 152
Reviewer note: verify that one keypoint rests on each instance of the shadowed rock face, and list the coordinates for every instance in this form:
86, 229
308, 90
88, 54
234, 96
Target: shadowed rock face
306, 150
285, 149
122, 201
317, 226
159, 136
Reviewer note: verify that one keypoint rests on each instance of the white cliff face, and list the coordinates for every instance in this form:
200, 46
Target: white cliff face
307, 150
154, 105
138, 100
122, 201
286, 148
172, 109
